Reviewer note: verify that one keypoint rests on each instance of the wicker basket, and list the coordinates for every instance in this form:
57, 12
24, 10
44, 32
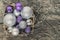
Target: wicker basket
23, 34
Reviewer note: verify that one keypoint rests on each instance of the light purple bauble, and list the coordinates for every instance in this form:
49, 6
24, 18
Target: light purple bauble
19, 18
9, 9
17, 26
18, 6
28, 29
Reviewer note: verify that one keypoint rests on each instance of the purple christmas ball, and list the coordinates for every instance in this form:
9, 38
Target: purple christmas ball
18, 6
17, 26
19, 18
9, 9
28, 30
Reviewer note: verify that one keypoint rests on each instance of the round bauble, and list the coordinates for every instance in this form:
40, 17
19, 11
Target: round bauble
15, 31
22, 25
27, 12
16, 13
29, 22
9, 19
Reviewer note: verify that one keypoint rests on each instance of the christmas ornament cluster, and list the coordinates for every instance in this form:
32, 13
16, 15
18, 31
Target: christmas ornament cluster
18, 19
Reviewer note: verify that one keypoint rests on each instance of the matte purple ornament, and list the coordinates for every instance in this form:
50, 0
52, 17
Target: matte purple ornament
18, 6
17, 26
28, 30
9, 9
19, 18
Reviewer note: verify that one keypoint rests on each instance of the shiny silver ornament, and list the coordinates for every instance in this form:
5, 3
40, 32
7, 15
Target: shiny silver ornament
10, 29
27, 12
15, 31
9, 19
22, 25
29, 22
16, 13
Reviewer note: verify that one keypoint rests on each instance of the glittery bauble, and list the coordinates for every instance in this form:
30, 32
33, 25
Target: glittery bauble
28, 30
15, 31
22, 25
9, 20
16, 13
18, 6
29, 22
17, 26
9, 9
27, 12
19, 18
10, 29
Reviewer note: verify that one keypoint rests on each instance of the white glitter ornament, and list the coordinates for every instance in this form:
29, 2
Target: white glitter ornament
27, 12
15, 31
10, 29
9, 19
22, 24
16, 13
29, 22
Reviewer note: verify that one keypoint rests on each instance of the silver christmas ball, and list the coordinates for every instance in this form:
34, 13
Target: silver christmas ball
15, 31
29, 22
10, 29
27, 12
22, 25
9, 20
16, 13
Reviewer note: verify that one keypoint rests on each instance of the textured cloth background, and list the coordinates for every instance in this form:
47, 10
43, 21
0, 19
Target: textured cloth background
47, 19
